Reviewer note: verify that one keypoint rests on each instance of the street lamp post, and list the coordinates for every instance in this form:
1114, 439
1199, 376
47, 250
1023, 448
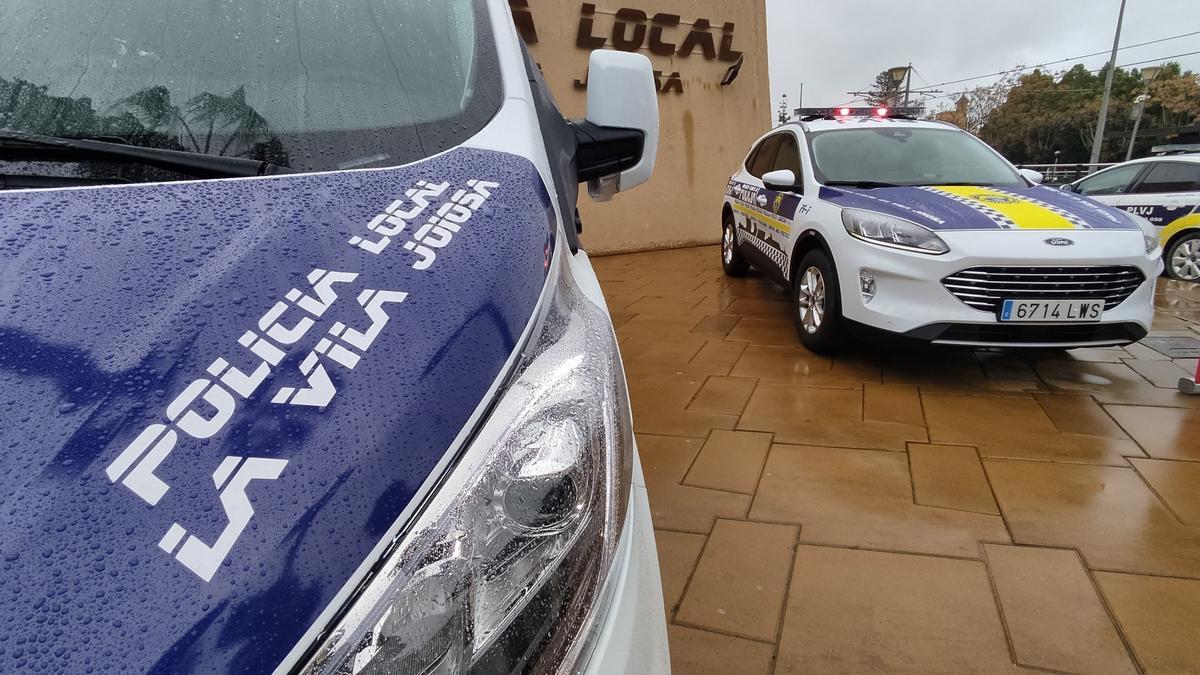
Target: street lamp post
902, 74
1098, 141
1148, 75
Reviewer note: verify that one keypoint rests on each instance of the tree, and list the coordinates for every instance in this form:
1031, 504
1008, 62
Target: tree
1044, 112
885, 92
975, 106
1175, 97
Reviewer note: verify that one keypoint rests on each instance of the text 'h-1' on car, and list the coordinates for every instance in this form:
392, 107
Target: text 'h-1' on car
1166, 192
880, 224
302, 367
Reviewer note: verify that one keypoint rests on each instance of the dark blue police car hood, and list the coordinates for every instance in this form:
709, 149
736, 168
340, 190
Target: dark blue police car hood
217, 397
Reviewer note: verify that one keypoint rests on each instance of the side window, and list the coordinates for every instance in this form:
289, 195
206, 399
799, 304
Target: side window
1170, 177
1111, 182
753, 154
764, 159
789, 156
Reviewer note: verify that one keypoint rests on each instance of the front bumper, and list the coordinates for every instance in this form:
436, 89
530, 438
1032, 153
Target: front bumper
632, 630
911, 301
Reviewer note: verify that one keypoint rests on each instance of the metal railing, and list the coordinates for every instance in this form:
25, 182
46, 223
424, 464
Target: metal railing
1061, 174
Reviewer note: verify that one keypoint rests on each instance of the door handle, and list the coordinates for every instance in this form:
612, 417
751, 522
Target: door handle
762, 201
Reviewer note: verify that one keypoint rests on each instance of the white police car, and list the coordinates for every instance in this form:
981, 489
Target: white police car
1163, 190
303, 368
915, 228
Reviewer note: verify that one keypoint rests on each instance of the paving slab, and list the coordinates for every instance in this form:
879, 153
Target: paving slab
863, 498
1159, 616
950, 477
1108, 513
723, 396
701, 652
1164, 433
1053, 612
677, 556
863, 611
1177, 483
730, 461
740, 582
674, 506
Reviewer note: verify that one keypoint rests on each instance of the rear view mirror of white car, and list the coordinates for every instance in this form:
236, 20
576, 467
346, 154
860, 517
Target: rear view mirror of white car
618, 140
783, 180
1032, 176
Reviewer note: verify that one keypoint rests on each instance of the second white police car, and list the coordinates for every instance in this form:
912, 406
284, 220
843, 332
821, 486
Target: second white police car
879, 223
1166, 192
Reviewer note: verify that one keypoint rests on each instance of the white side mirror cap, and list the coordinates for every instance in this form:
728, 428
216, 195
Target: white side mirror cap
1032, 176
783, 180
621, 95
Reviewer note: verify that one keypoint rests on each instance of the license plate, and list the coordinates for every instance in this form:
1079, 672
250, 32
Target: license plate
1052, 311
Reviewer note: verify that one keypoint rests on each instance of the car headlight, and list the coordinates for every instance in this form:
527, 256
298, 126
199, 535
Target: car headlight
1149, 232
507, 565
891, 231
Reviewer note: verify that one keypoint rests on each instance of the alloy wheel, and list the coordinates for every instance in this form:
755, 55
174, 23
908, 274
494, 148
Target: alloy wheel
1185, 263
727, 245
811, 301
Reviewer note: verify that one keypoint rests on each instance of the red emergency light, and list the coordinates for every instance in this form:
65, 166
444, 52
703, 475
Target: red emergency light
847, 112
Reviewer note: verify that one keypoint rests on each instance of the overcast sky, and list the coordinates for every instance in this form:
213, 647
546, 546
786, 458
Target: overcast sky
836, 47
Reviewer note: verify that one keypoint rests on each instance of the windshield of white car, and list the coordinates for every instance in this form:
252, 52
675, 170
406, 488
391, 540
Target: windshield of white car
903, 156
314, 86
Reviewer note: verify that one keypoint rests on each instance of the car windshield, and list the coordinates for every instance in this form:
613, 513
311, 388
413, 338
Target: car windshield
315, 86
897, 155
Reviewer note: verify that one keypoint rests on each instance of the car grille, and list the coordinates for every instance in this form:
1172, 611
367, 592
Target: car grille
986, 288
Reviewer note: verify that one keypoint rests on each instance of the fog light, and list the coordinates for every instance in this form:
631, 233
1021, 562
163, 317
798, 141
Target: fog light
866, 280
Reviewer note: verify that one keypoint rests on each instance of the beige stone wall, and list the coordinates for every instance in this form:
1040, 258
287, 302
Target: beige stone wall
706, 130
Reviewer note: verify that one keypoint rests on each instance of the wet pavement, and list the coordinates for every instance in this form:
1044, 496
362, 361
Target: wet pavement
909, 511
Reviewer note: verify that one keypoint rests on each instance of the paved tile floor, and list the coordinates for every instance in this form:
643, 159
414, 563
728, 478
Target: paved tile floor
896, 511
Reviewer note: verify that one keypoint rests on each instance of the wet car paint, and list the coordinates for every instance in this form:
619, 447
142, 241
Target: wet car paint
967, 208
114, 300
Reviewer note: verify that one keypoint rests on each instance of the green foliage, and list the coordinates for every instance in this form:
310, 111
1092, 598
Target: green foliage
1042, 113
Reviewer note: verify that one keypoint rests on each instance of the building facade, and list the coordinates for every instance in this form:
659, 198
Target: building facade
710, 59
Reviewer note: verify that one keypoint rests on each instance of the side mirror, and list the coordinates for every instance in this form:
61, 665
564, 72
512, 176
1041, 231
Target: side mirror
783, 180
1067, 187
618, 140
1032, 176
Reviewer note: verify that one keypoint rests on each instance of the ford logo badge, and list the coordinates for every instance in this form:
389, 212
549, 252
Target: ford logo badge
1060, 241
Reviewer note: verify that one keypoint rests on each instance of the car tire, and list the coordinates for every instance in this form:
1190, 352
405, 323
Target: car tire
817, 304
1183, 258
731, 258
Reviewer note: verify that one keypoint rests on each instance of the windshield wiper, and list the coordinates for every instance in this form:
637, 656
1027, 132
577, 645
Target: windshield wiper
864, 184
36, 147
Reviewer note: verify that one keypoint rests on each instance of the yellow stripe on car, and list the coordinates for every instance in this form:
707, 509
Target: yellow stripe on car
768, 219
1189, 222
1024, 214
